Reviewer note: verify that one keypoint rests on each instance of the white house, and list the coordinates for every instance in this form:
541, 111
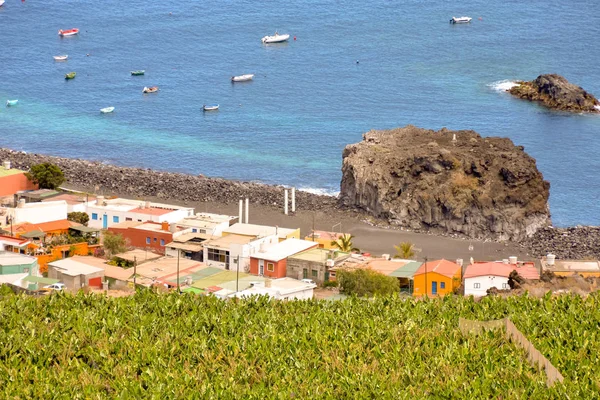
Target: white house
36, 213
225, 252
207, 223
480, 277
104, 213
280, 289
262, 230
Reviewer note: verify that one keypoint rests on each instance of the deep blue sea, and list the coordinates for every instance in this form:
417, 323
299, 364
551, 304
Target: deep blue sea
309, 97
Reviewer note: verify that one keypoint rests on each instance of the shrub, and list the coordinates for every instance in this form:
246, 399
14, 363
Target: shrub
48, 176
366, 283
79, 217
329, 284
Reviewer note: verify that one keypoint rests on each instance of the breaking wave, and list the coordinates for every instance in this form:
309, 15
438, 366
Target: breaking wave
502, 86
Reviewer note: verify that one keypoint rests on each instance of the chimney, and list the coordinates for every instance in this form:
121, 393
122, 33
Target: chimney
172, 228
512, 260
550, 258
147, 204
505, 261
6, 164
164, 226
268, 283
247, 212
459, 262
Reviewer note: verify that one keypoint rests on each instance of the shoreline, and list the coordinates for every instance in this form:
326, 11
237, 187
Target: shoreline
219, 195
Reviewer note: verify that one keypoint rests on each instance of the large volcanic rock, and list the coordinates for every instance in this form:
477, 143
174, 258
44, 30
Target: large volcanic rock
555, 92
425, 180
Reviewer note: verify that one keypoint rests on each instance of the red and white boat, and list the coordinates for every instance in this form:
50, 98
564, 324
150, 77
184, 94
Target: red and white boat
68, 32
151, 89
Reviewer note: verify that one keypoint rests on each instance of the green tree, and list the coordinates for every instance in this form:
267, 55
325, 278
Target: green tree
113, 243
405, 250
48, 176
344, 243
365, 282
79, 217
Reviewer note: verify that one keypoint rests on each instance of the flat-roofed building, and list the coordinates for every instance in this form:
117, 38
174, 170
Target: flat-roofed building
105, 213
146, 235
314, 264
258, 231
34, 213
75, 274
207, 223
585, 268
233, 251
15, 263
280, 289
13, 180
273, 261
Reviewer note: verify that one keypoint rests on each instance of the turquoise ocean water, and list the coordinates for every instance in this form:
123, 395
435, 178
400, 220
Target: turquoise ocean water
309, 98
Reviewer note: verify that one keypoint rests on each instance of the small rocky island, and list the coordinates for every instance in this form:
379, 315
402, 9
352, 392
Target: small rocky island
446, 182
555, 92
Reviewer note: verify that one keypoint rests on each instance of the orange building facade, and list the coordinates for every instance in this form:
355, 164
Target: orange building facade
437, 278
13, 181
272, 269
146, 235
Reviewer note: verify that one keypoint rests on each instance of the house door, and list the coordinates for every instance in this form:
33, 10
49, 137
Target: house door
434, 287
105, 222
261, 267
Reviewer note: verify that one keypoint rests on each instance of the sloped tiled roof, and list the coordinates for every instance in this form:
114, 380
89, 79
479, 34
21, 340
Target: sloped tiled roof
442, 267
527, 271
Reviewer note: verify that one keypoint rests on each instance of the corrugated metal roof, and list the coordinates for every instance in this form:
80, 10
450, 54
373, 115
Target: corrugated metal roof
71, 267
407, 270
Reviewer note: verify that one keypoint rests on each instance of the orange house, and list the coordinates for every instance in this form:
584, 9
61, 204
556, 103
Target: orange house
13, 180
145, 235
273, 261
436, 278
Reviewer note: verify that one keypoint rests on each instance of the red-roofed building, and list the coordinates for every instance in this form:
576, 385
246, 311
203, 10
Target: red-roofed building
437, 278
480, 277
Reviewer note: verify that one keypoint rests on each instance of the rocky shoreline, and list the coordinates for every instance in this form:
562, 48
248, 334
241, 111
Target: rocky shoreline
140, 183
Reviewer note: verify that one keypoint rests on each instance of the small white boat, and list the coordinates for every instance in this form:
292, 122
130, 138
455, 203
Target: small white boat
276, 38
61, 58
151, 89
242, 78
107, 110
460, 20
1, 3
212, 107
11, 103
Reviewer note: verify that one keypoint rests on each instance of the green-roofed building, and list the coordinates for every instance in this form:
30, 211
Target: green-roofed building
38, 282
405, 275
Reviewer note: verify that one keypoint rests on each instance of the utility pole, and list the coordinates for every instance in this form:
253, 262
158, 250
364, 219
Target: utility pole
237, 277
426, 287
134, 270
178, 289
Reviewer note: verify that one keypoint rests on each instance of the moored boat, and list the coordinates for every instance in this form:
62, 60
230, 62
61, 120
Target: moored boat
61, 58
276, 38
460, 20
107, 110
1, 3
242, 78
211, 107
138, 72
68, 32
11, 103
151, 89
70, 75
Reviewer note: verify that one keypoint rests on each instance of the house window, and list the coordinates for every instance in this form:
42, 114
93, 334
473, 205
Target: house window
162, 242
314, 273
476, 285
505, 286
139, 220
128, 219
270, 267
115, 219
218, 255
202, 230
442, 285
148, 240
25, 270
95, 216
194, 230
154, 240
304, 273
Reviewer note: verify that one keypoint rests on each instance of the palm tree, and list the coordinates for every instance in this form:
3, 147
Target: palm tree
405, 250
344, 243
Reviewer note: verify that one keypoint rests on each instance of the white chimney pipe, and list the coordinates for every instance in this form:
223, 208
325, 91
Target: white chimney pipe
293, 199
247, 211
285, 201
7, 164
240, 220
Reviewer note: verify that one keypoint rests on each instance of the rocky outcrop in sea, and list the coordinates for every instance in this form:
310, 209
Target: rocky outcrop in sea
140, 183
555, 92
446, 182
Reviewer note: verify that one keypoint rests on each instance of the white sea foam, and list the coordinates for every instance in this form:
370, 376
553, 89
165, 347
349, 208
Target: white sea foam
597, 108
322, 192
502, 86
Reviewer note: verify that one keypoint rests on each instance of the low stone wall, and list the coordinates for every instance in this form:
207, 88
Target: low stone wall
141, 183
576, 243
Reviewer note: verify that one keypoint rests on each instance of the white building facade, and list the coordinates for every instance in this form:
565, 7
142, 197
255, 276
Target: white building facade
225, 252
36, 213
478, 285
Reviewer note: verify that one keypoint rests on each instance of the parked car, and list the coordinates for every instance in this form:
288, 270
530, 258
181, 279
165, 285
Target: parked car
55, 286
309, 281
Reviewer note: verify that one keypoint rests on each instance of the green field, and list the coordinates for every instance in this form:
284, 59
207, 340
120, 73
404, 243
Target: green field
169, 346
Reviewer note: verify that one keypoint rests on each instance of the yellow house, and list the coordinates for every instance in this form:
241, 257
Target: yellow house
436, 278
324, 238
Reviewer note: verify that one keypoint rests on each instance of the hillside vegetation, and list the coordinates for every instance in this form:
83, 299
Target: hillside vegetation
168, 346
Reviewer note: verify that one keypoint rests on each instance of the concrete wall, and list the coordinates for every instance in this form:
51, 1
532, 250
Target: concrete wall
295, 267
73, 282
300, 295
37, 213
485, 283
